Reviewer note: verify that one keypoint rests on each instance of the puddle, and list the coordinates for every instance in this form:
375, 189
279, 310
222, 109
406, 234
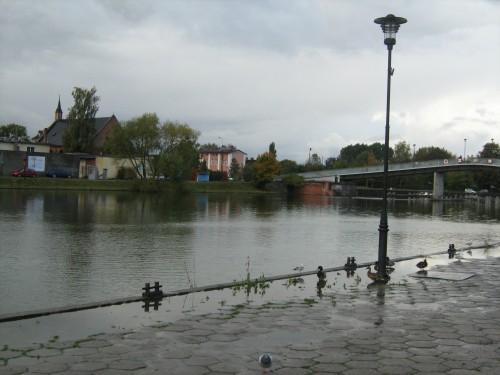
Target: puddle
126, 317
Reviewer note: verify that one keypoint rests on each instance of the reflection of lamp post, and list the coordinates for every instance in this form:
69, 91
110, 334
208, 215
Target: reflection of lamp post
465, 147
414, 155
390, 26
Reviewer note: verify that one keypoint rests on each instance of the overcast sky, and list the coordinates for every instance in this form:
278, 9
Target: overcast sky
303, 74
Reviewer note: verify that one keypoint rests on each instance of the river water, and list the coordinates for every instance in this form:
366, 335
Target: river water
63, 248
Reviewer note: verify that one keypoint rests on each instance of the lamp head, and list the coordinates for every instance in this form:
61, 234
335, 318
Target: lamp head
390, 26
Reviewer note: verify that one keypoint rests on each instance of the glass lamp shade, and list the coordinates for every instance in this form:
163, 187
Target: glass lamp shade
390, 26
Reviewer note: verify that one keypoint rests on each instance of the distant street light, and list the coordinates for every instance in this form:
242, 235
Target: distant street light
465, 148
414, 155
221, 142
390, 26
309, 162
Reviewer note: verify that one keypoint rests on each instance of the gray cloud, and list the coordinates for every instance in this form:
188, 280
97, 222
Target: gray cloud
302, 74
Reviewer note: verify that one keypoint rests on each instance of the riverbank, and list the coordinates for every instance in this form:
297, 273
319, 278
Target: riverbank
45, 183
452, 329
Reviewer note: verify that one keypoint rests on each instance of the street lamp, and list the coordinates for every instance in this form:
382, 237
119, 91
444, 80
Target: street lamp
390, 26
414, 155
465, 147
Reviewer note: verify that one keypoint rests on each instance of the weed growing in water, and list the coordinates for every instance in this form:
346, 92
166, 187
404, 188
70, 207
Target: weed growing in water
258, 285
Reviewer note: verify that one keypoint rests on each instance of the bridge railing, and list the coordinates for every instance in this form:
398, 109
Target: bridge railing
398, 166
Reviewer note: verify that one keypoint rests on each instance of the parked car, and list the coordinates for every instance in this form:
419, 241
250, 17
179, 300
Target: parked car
470, 191
59, 173
28, 172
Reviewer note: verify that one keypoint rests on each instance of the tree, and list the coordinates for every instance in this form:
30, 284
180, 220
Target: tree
378, 148
490, 150
488, 179
210, 147
290, 166
330, 162
265, 168
314, 163
402, 153
138, 140
11, 131
272, 149
293, 181
350, 155
179, 150
366, 158
234, 169
432, 153
79, 135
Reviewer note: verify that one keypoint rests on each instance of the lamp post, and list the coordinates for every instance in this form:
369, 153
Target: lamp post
414, 155
465, 147
390, 26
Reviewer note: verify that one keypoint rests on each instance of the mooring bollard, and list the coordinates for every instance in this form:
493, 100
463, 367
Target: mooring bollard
351, 263
152, 292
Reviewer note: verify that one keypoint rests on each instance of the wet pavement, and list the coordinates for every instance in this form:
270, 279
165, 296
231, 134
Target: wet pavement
422, 326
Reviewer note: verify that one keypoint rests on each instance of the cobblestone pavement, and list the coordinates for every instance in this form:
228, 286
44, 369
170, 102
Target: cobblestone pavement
430, 326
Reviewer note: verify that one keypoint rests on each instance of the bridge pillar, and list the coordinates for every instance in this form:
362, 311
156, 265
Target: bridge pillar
438, 186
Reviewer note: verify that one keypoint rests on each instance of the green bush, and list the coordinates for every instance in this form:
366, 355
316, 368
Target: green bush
126, 173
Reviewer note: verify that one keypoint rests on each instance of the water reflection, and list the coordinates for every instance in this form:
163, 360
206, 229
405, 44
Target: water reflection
69, 247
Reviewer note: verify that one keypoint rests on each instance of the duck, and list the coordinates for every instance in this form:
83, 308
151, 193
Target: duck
388, 263
300, 268
375, 276
422, 264
320, 273
265, 361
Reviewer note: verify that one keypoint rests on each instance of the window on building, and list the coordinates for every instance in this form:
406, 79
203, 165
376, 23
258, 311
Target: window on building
30, 149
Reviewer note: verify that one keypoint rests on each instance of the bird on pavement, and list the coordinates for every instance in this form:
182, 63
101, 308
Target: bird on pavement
320, 273
422, 264
388, 263
299, 268
375, 276
265, 361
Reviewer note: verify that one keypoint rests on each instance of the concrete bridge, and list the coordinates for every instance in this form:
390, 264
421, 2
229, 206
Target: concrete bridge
437, 167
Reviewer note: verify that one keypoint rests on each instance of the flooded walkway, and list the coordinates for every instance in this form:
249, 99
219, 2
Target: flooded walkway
427, 326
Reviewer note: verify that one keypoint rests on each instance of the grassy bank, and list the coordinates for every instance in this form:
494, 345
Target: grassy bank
46, 183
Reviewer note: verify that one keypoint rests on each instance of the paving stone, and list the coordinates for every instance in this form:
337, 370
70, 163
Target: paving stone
424, 327
7, 354
94, 344
48, 368
13, 370
126, 364
88, 366
43, 353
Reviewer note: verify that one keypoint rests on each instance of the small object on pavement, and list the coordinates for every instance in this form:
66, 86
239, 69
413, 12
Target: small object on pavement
265, 361
320, 273
422, 264
299, 268
375, 276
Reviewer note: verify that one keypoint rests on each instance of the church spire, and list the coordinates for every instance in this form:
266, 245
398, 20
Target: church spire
59, 113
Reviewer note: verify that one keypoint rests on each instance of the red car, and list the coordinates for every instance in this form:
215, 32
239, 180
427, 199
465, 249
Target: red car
28, 172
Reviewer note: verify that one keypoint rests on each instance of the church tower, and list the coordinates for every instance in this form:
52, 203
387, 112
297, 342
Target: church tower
59, 113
